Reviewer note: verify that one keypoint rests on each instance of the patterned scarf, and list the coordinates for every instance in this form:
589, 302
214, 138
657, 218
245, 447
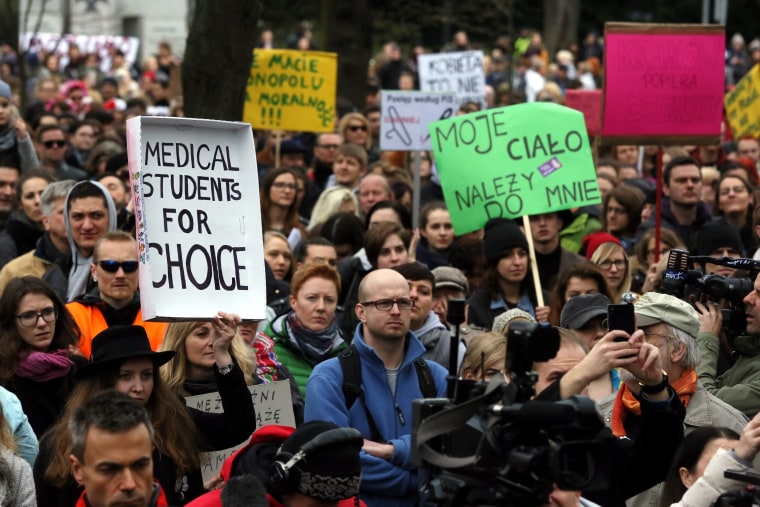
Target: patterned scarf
266, 359
626, 403
44, 366
314, 345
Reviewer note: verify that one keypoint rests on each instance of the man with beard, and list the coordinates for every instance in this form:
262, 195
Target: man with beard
9, 175
738, 386
682, 209
390, 376
325, 149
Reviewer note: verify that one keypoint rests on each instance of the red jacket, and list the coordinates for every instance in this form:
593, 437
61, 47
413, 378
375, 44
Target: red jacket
158, 499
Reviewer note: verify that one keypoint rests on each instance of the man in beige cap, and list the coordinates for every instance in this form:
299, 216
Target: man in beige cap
671, 325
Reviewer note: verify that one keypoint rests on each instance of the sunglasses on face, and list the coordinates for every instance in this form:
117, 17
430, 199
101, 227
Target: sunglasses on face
113, 266
355, 128
59, 143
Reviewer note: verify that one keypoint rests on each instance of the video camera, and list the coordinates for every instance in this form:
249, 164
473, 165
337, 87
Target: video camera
521, 447
746, 497
693, 285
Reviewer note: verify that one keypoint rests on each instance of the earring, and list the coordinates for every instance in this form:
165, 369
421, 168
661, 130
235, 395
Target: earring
95, 279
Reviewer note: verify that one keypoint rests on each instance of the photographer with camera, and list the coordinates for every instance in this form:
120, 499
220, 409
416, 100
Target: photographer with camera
739, 386
705, 491
649, 416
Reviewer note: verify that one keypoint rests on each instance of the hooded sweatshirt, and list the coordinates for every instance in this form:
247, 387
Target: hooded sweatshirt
436, 338
79, 273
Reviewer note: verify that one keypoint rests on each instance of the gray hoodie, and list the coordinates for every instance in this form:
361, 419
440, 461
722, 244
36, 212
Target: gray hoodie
436, 339
79, 273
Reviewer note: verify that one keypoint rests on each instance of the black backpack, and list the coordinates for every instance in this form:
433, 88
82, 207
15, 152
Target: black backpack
351, 365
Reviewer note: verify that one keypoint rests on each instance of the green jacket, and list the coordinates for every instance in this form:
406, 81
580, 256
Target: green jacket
571, 237
739, 386
289, 355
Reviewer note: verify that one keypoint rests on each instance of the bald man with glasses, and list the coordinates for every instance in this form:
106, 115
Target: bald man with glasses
389, 356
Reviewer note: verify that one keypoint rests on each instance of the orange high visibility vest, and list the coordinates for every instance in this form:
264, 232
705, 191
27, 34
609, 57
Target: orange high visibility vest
91, 322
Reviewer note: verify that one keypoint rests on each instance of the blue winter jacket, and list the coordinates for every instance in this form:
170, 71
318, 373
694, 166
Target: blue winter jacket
23, 433
384, 483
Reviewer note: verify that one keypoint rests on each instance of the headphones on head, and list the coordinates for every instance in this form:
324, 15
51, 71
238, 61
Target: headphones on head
279, 471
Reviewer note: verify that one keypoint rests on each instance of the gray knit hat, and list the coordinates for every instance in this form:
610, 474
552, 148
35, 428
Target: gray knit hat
5, 91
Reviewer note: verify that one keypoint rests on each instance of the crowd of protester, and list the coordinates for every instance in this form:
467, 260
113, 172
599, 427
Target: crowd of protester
357, 295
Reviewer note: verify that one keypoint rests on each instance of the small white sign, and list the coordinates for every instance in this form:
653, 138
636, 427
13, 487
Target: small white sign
460, 72
196, 197
406, 115
272, 404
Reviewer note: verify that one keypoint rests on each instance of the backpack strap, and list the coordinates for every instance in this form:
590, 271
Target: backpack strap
425, 379
351, 365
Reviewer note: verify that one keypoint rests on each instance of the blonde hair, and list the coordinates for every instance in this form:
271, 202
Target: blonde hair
346, 120
175, 371
483, 347
329, 203
604, 252
6, 434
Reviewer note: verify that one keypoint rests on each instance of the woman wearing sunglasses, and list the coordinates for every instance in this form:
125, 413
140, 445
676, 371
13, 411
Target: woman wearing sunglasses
37, 341
115, 300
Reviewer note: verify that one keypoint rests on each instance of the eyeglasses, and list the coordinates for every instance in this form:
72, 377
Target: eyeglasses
283, 186
736, 190
616, 211
665, 336
60, 143
354, 128
29, 319
385, 305
113, 266
328, 146
607, 264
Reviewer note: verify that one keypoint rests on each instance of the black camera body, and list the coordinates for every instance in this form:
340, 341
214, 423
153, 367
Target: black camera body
693, 285
492, 445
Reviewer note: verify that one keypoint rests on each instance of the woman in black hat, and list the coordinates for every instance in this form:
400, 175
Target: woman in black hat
507, 282
122, 359
37, 337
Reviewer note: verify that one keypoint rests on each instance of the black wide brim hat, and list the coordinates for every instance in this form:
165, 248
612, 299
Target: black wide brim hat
117, 344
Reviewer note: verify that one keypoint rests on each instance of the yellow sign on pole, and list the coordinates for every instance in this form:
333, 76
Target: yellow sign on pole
292, 90
743, 105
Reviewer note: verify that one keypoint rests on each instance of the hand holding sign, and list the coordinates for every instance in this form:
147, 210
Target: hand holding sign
511, 161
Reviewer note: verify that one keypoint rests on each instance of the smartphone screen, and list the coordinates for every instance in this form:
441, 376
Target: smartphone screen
621, 317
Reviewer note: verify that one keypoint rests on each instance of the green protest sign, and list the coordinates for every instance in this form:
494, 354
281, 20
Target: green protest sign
512, 161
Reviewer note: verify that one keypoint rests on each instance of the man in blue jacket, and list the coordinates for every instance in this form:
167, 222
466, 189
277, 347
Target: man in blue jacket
383, 412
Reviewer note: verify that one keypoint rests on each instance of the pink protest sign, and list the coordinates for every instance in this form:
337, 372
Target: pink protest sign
663, 83
588, 102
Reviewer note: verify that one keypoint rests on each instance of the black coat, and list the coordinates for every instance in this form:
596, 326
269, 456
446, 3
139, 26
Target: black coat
636, 464
219, 431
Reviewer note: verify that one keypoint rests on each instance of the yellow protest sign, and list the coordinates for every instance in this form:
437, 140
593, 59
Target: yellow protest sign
291, 90
743, 105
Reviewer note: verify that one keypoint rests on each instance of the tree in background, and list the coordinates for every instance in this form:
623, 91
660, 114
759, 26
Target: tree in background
218, 57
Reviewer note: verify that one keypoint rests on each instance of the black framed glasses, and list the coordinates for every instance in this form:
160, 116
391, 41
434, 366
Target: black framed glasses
30, 318
113, 266
282, 185
385, 305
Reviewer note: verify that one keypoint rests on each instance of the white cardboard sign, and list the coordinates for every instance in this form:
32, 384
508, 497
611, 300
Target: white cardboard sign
196, 197
405, 117
272, 404
459, 72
